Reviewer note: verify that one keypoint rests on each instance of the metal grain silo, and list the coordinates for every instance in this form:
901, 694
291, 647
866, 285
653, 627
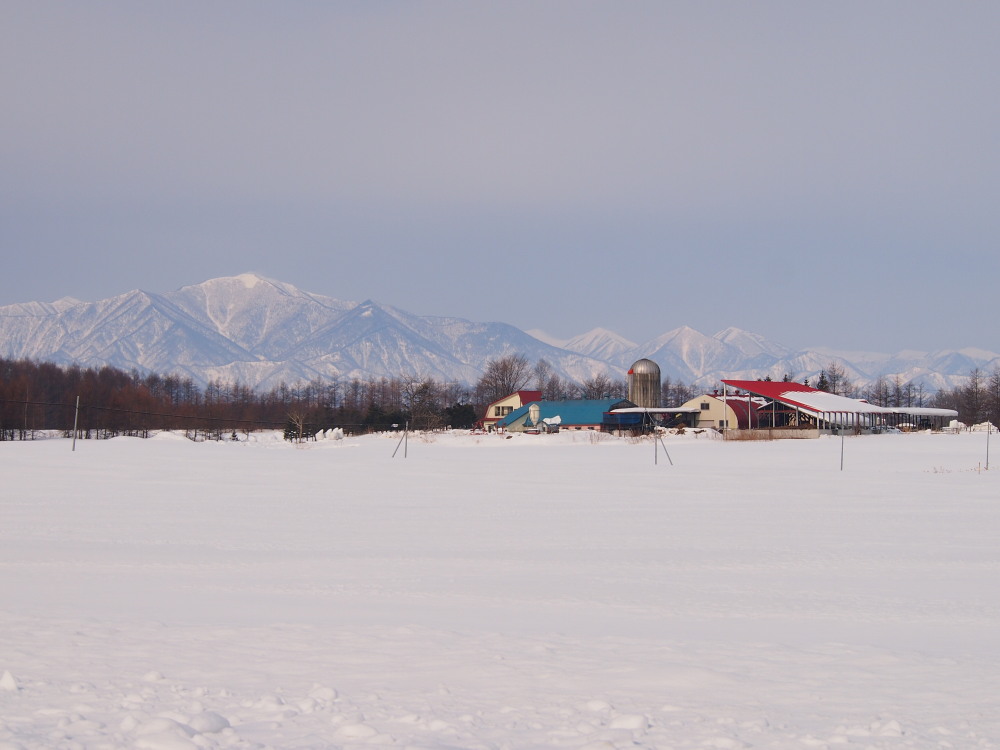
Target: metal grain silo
644, 383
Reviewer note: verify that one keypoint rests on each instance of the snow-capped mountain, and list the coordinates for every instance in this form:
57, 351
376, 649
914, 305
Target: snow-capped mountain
261, 316
751, 344
601, 343
262, 332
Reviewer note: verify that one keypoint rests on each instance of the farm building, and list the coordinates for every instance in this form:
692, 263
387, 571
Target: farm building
506, 405
800, 406
572, 414
725, 411
633, 419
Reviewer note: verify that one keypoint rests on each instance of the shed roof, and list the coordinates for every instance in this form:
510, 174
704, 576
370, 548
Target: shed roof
656, 410
570, 411
816, 401
807, 398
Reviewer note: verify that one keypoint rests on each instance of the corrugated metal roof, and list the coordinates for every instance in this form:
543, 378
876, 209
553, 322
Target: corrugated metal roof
819, 402
570, 411
807, 398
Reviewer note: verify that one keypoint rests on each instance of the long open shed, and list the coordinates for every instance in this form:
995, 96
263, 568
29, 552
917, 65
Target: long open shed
797, 405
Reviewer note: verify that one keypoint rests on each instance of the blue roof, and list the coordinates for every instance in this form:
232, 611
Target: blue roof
570, 412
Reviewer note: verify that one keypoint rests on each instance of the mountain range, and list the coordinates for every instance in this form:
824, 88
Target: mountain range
261, 332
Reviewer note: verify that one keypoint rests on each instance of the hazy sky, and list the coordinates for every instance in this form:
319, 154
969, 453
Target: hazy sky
819, 173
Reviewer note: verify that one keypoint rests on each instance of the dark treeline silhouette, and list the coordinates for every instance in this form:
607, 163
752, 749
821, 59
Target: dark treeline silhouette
977, 401
37, 396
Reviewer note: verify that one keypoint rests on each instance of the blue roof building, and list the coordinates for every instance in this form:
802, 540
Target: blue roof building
573, 414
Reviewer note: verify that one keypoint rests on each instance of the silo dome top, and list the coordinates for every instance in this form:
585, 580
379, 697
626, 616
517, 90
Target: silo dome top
644, 367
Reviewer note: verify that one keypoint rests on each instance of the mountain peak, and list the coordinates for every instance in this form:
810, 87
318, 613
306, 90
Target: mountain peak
682, 334
260, 331
600, 343
750, 344
244, 281
250, 280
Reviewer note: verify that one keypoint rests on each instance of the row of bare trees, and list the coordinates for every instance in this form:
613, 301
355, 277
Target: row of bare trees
977, 401
883, 391
514, 372
36, 396
42, 396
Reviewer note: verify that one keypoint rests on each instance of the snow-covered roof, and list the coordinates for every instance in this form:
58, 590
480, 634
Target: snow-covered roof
923, 411
807, 398
820, 402
657, 410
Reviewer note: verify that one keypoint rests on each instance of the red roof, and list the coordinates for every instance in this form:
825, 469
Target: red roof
746, 412
769, 388
526, 397
777, 390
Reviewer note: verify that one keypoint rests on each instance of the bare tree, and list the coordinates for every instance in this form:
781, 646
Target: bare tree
675, 393
599, 386
503, 376
541, 373
974, 398
554, 388
296, 426
877, 392
993, 396
422, 398
898, 391
837, 381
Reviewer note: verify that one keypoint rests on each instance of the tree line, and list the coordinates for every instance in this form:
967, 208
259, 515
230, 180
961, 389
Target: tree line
37, 396
977, 401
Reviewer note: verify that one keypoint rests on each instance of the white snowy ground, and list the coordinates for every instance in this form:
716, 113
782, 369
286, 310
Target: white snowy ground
536, 592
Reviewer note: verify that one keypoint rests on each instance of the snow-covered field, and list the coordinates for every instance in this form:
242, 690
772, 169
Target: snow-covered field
533, 592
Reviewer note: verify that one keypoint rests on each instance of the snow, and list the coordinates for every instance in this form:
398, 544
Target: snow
547, 591
821, 401
249, 280
547, 338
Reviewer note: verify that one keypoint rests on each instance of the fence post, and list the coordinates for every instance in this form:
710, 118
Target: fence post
76, 415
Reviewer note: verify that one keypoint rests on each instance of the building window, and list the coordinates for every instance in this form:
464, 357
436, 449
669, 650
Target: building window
704, 405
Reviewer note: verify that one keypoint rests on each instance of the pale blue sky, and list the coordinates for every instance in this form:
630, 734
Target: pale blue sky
818, 173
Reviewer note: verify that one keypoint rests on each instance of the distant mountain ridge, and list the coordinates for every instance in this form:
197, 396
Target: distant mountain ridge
262, 332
